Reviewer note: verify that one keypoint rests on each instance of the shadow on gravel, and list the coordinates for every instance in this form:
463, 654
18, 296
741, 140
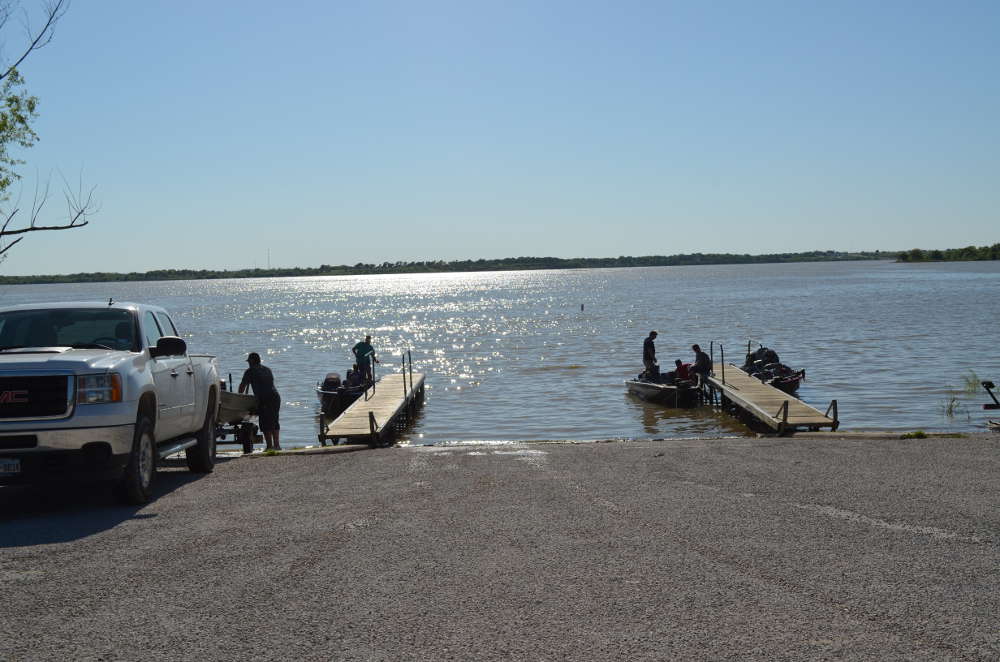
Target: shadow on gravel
46, 514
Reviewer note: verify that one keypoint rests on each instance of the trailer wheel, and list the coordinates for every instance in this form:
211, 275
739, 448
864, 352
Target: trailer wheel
201, 456
135, 486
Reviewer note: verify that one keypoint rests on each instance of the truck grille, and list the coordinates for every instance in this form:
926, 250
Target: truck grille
34, 397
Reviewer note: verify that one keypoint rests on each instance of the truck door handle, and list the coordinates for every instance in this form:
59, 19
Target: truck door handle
190, 371
173, 373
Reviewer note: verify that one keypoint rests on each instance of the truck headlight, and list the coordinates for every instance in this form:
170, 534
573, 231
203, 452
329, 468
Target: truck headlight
95, 389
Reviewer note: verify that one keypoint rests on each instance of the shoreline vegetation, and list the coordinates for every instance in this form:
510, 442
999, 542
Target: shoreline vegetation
456, 266
512, 264
967, 254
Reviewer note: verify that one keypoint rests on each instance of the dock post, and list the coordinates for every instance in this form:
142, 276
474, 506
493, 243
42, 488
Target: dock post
403, 368
409, 355
373, 428
783, 414
836, 420
722, 360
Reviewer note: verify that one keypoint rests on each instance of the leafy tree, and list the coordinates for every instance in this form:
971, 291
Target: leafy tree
17, 110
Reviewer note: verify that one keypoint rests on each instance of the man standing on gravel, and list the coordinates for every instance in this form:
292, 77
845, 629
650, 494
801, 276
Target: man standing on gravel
261, 380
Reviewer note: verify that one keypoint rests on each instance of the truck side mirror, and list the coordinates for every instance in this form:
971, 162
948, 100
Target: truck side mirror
168, 346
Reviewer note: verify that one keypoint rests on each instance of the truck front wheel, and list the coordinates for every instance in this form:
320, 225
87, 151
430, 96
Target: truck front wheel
136, 485
201, 456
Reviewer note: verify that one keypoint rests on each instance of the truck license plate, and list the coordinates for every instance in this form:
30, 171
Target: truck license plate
9, 465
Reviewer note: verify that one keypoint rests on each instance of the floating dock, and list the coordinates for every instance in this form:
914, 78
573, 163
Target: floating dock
750, 399
375, 417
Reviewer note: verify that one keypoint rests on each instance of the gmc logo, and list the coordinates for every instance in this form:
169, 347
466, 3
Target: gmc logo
13, 397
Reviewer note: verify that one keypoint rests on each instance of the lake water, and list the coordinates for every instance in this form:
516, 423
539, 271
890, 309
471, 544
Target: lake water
511, 355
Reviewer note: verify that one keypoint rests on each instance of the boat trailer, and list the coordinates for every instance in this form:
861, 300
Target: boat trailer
235, 410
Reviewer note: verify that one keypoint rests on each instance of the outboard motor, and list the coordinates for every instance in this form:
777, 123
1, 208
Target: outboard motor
331, 398
331, 382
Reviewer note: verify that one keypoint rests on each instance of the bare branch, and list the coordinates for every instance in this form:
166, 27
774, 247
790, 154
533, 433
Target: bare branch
5, 12
54, 10
6, 248
79, 205
10, 217
73, 223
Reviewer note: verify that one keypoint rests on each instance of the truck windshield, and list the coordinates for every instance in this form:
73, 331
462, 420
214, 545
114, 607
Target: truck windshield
81, 328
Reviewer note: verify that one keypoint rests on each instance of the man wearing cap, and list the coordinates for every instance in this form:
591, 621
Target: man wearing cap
261, 380
364, 353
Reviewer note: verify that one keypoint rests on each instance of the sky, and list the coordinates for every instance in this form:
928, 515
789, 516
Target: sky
231, 135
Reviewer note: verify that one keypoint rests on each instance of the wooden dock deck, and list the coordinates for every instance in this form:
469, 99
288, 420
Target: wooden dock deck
375, 417
736, 391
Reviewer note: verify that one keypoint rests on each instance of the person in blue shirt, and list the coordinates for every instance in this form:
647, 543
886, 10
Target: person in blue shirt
364, 353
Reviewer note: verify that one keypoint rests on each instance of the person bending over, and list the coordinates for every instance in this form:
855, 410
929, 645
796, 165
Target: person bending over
702, 363
261, 380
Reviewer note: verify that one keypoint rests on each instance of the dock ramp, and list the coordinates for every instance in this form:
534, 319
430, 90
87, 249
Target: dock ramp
731, 389
375, 417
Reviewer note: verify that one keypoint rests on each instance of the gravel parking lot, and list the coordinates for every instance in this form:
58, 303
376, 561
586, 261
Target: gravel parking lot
800, 548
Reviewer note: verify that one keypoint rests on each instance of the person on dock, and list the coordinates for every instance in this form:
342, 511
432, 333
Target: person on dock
649, 355
365, 355
260, 378
702, 362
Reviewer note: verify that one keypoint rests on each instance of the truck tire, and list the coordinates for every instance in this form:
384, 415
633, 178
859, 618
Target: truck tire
136, 485
201, 456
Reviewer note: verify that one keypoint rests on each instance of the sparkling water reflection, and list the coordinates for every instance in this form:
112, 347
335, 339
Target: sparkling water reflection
511, 355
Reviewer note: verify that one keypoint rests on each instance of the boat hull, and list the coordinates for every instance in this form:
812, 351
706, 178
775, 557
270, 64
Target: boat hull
670, 395
789, 383
236, 407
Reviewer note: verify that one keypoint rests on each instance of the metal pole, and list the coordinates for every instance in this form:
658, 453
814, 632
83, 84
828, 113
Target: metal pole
722, 359
409, 355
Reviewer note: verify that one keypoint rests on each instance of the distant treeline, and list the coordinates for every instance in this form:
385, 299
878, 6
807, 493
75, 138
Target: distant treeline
437, 266
952, 254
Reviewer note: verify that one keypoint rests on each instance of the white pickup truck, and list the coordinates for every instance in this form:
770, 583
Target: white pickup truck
101, 390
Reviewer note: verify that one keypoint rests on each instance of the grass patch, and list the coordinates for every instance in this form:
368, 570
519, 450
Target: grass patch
953, 407
269, 452
916, 434
971, 382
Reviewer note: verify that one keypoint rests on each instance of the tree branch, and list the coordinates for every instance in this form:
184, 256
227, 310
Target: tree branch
79, 206
41, 228
6, 248
53, 12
